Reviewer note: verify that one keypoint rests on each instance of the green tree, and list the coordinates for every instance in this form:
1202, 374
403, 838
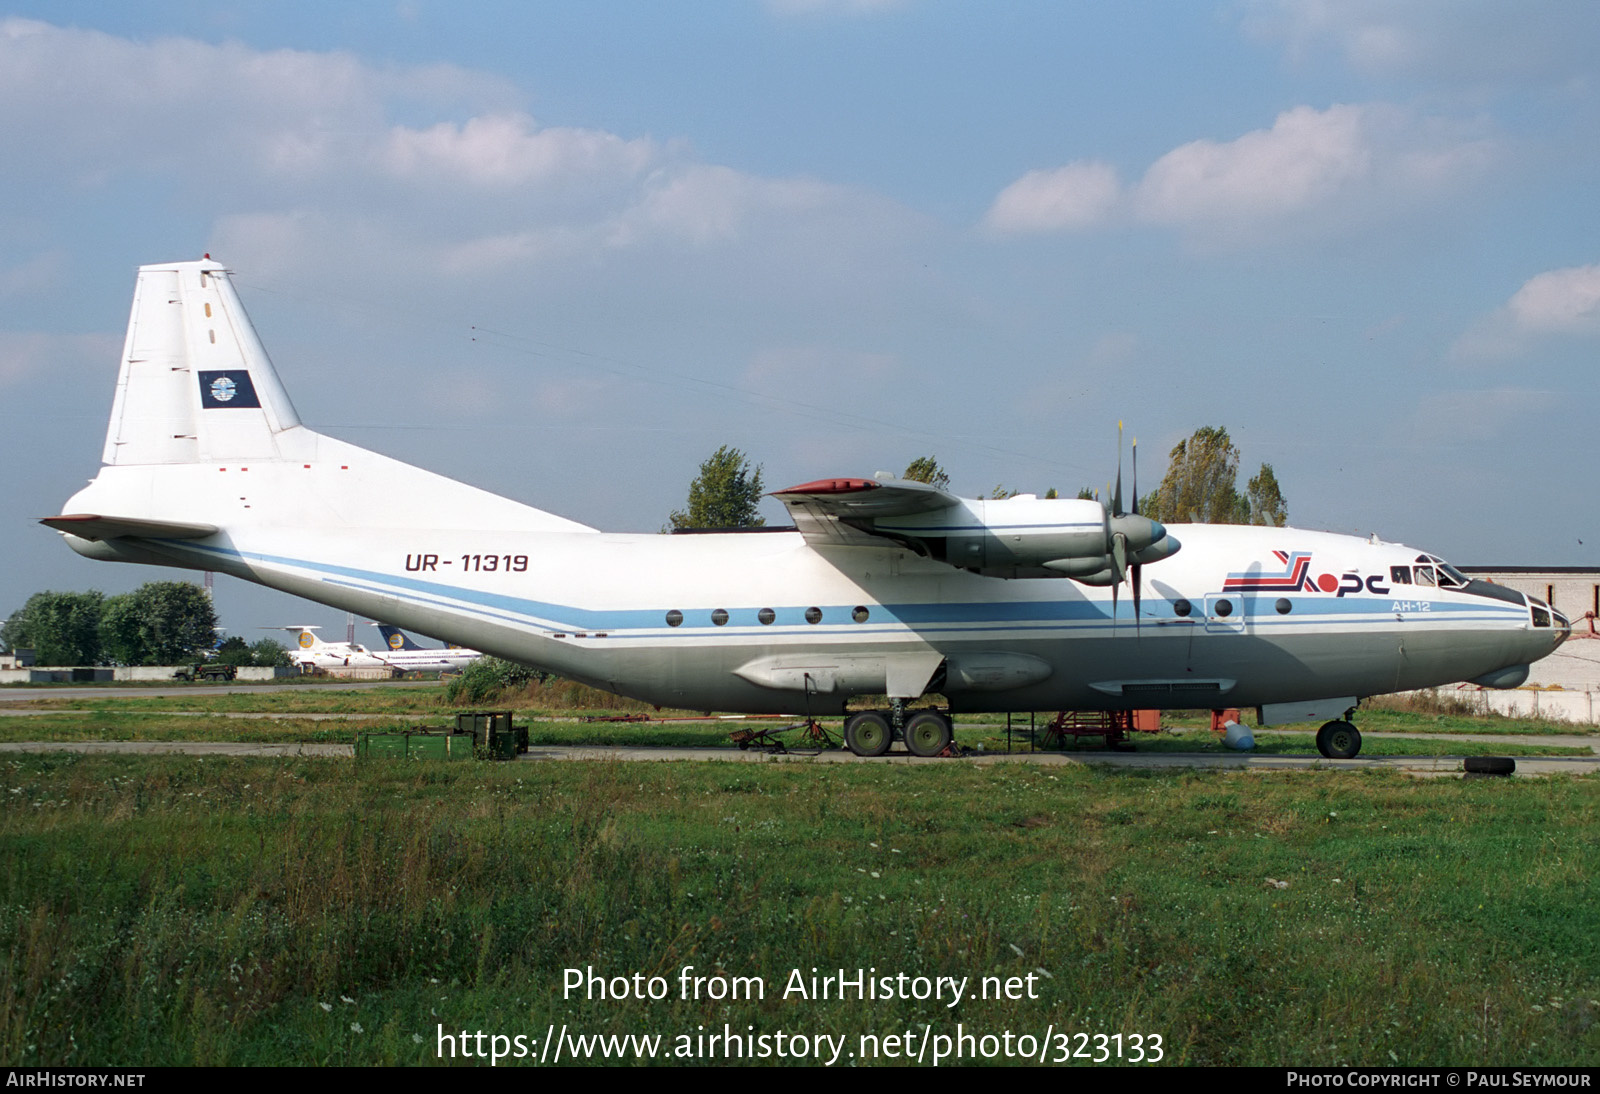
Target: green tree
61, 628
1002, 492
268, 653
120, 627
159, 623
235, 651
726, 494
1200, 486
926, 469
1266, 499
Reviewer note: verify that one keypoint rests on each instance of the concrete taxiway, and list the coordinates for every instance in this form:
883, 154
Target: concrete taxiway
1231, 761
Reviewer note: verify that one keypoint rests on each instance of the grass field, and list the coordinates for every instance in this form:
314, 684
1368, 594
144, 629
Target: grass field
175, 910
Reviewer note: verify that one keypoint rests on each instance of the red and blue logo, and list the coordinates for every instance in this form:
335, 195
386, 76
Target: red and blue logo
1296, 577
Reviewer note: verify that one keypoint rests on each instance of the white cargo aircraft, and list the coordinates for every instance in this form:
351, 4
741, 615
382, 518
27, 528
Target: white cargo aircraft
402, 653
885, 587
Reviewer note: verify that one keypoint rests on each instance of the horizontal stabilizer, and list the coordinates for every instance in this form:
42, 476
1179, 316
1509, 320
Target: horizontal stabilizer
92, 526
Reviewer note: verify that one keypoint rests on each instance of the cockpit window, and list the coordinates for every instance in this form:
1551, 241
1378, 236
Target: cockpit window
1432, 570
1400, 575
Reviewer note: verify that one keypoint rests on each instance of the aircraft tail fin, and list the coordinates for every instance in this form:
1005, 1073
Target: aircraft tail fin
196, 391
305, 636
195, 383
395, 638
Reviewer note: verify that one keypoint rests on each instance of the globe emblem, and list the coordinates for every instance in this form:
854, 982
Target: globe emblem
222, 389
395, 641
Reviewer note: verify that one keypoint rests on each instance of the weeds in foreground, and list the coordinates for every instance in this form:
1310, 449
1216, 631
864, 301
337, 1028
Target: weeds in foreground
170, 910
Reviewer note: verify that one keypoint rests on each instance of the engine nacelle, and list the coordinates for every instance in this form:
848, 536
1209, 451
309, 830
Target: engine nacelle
1028, 536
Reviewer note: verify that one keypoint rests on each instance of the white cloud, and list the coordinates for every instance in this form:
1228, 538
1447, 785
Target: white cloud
301, 159
1078, 195
1472, 42
1565, 301
91, 106
1312, 169
704, 203
1558, 302
1307, 157
505, 150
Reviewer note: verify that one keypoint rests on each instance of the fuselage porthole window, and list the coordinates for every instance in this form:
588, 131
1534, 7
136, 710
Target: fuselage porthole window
1181, 608
813, 615
860, 614
1223, 608
719, 617
766, 615
674, 618
1284, 605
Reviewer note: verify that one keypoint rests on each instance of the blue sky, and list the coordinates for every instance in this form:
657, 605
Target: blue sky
566, 251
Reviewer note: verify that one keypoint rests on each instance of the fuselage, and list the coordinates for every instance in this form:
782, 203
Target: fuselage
767, 622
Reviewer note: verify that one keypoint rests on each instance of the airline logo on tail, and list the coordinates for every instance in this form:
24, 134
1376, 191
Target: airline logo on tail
231, 389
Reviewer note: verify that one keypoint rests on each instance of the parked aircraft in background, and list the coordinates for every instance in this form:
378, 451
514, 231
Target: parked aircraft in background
401, 652
311, 651
884, 587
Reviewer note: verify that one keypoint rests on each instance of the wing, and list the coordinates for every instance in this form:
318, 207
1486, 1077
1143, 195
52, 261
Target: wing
841, 511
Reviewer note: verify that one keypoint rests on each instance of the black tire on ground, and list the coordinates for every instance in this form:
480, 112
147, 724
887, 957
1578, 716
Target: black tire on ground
1489, 765
928, 733
868, 733
1338, 740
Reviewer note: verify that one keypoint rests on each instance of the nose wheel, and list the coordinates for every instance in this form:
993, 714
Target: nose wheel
1338, 740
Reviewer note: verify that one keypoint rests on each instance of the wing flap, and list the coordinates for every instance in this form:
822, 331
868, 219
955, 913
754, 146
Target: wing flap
840, 511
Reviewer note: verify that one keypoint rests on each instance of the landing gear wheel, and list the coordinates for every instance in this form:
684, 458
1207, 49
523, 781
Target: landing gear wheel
1338, 740
868, 733
928, 733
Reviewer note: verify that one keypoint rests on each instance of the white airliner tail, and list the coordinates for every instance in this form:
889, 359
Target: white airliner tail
203, 437
196, 383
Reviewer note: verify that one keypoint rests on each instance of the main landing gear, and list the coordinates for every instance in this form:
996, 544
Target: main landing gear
871, 732
1338, 740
